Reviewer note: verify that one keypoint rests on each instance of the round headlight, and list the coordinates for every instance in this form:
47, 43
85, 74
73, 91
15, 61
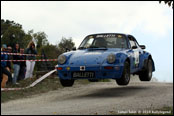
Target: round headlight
61, 59
111, 58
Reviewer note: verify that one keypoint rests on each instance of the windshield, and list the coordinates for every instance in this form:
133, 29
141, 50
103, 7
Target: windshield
104, 41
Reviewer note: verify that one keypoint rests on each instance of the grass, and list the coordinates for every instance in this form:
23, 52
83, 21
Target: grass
104, 80
49, 84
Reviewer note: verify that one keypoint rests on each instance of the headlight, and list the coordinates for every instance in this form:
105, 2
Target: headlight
111, 58
61, 59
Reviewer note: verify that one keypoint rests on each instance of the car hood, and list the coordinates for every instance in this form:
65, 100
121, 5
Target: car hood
90, 57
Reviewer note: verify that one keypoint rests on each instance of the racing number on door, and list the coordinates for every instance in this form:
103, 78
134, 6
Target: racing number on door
136, 56
135, 50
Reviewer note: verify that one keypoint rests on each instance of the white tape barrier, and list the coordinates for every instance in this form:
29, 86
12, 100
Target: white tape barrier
20, 54
29, 60
33, 84
11, 89
43, 77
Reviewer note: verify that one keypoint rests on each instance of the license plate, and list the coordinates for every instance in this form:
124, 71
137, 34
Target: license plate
83, 74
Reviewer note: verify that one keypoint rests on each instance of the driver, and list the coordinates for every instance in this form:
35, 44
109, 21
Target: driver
100, 42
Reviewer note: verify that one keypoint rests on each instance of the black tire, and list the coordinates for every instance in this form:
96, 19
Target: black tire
67, 83
125, 78
146, 75
93, 80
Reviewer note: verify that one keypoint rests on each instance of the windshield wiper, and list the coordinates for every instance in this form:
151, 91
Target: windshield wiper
102, 47
93, 47
82, 48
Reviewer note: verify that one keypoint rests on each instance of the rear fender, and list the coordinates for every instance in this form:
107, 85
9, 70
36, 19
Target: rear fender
148, 56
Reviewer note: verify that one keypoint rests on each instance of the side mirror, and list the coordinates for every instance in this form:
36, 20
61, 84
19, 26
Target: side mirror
134, 47
142, 46
74, 48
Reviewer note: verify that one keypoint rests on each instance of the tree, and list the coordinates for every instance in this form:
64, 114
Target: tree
6, 24
170, 3
48, 52
41, 39
12, 33
65, 43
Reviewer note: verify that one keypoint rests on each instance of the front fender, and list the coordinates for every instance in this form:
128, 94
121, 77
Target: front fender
122, 58
68, 56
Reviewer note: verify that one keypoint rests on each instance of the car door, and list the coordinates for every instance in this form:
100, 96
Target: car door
135, 54
140, 54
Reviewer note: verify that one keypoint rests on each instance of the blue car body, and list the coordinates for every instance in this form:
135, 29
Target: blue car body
94, 62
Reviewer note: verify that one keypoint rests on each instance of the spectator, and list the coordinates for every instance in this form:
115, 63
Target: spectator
10, 57
9, 50
16, 65
22, 66
5, 70
30, 64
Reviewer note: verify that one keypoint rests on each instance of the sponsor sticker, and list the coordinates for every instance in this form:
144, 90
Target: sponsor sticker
91, 37
109, 36
119, 36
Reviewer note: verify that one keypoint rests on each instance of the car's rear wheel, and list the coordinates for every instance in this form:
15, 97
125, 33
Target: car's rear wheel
125, 78
146, 75
67, 83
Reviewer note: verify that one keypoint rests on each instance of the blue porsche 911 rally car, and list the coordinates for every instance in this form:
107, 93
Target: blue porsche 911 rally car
106, 56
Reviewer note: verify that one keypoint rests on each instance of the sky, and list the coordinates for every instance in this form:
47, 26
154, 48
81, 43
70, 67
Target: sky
149, 22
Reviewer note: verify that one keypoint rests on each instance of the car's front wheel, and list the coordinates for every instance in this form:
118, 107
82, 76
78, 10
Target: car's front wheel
125, 78
67, 83
146, 75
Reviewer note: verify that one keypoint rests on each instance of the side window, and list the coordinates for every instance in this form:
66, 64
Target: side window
89, 42
136, 43
132, 43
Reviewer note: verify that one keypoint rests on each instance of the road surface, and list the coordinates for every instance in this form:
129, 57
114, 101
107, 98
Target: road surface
94, 98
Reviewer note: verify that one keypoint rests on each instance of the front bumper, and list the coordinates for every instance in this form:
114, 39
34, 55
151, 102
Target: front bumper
100, 72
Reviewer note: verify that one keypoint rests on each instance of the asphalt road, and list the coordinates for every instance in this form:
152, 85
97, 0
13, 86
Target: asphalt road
95, 98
